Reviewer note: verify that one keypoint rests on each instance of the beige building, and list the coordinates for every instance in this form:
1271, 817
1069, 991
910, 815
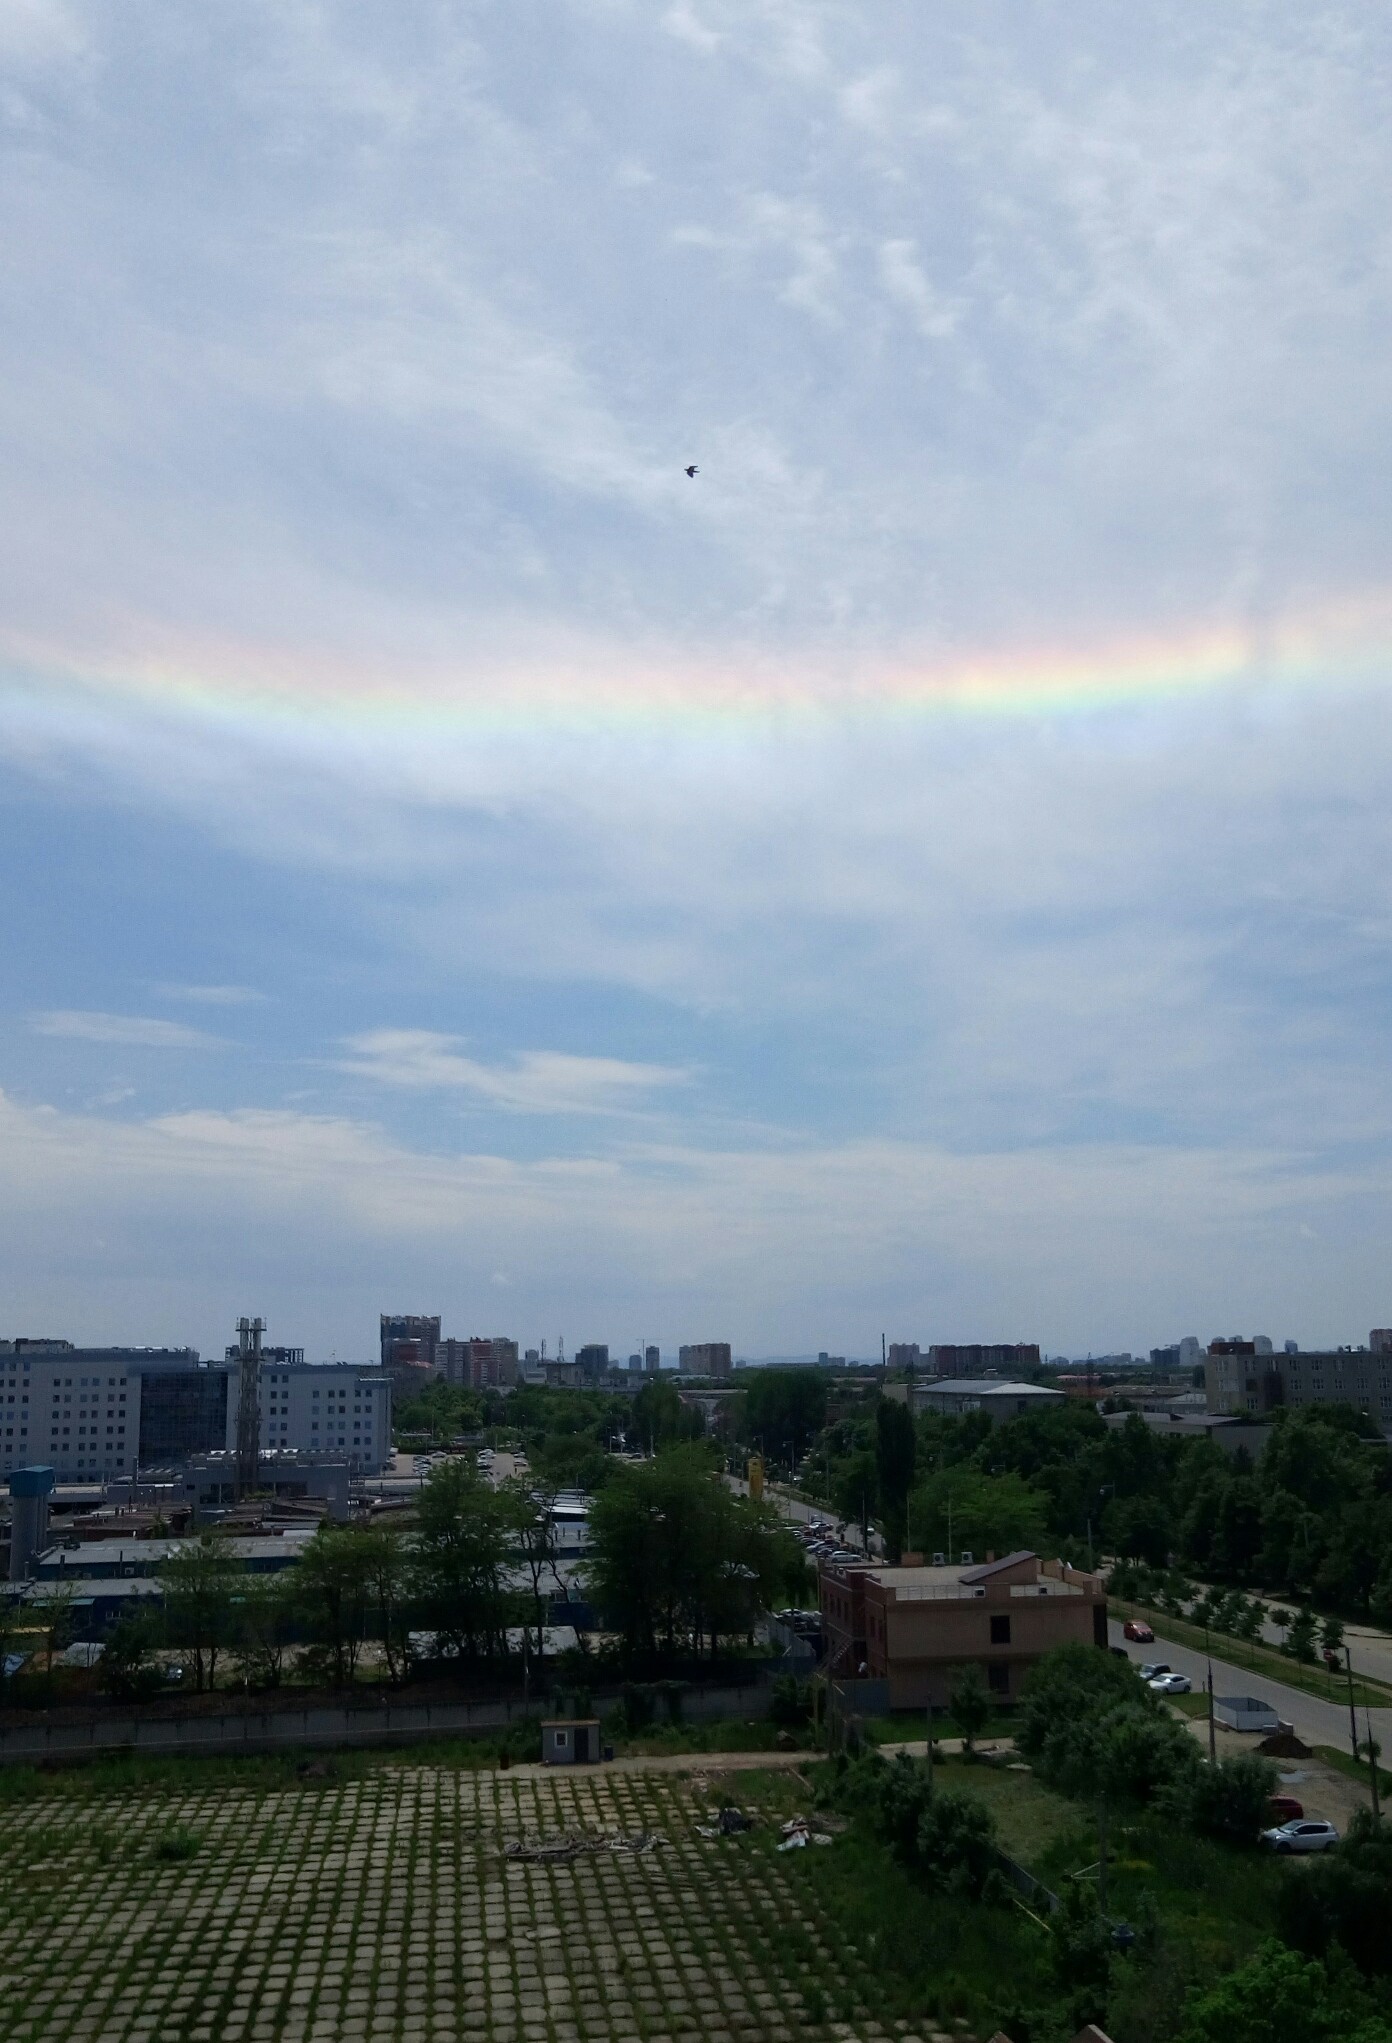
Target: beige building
1243, 1376
915, 1626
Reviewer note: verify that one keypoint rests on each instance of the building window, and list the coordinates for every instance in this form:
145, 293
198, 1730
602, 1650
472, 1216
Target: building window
1000, 1631
998, 1673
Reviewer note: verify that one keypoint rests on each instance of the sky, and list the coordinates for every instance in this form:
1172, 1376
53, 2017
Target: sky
926, 874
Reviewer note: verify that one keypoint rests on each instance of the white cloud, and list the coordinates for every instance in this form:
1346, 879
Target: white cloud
535, 1082
1059, 1243
129, 1030
213, 996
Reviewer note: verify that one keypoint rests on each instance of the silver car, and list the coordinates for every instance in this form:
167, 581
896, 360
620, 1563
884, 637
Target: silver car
1310, 1834
1171, 1684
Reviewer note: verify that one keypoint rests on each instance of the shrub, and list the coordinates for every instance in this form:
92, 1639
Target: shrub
1343, 1898
955, 1848
175, 1845
1230, 1799
790, 1702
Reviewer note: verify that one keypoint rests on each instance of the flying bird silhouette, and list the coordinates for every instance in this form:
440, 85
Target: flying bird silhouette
693, 470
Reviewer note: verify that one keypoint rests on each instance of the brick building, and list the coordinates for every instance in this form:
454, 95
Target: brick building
914, 1627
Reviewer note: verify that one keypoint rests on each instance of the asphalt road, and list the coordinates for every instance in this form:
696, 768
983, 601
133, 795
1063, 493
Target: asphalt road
1317, 1722
803, 1514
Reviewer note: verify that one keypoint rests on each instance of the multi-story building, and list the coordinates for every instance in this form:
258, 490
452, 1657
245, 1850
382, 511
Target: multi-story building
705, 1358
478, 1364
905, 1355
978, 1358
652, 1361
95, 1413
332, 1408
592, 1361
409, 1337
914, 1627
1246, 1376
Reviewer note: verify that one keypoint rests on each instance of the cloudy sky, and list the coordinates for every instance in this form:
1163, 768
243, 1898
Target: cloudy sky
928, 874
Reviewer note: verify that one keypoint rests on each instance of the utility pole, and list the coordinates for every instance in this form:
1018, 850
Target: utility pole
1353, 1714
1212, 1733
1372, 1748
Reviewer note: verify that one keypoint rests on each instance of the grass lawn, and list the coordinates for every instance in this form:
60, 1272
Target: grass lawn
1031, 1818
1344, 1763
1260, 1659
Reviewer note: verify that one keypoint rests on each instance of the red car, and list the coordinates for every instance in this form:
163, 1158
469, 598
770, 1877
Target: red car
1285, 1809
1135, 1628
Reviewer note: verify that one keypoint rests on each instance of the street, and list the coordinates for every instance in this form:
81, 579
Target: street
1316, 1721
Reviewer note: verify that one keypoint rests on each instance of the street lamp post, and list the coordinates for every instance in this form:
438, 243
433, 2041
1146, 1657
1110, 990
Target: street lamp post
1212, 1733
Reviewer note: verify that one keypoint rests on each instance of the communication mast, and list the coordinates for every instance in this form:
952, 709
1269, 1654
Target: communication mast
249, 1332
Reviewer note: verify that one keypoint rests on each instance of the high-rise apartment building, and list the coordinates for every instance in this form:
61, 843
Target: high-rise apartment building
905, 1355
478, 1364
976, 1358
409, 1337
652, 1361
592, 1361
705, 1358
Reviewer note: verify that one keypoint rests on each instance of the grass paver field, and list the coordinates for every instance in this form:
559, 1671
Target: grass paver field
384, 1910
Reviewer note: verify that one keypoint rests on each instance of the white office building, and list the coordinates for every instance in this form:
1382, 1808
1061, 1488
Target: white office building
94, 1414
340, 1408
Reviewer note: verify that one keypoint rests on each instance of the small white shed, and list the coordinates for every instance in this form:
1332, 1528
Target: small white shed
570, 1741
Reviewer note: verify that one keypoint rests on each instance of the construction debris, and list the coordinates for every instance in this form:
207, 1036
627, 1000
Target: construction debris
577, 1844
798, 1834
728, 1823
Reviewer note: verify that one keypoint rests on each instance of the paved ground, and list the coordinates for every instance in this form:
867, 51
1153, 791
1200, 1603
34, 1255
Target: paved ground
1318, 1722
389, 1910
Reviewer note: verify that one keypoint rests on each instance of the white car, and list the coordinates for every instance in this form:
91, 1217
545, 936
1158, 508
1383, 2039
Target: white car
1310, 1834
1172, 1684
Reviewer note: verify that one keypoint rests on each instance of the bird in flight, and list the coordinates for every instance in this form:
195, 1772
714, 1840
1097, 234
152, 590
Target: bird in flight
693, 470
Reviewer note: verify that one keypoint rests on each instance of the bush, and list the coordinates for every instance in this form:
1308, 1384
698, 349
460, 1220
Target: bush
955, 1848
176, 1845
790, 1702
897, 1796
1231, 1798
1343, 1898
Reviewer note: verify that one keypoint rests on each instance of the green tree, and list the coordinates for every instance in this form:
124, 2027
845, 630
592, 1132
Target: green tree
333, 1594
1232, 1798
128, 1667
389, 1597
969, 1703
200, 1581
264, 1622
679, 1562
894, 1468
529, 1515
1340, 1901
1300, 1639
658, 1417
857, 1490
461, 1562
1281, 1997
963, 1510
956, 1847
784, 1410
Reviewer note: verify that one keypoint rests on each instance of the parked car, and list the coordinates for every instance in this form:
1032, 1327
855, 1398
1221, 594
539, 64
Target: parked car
1285, 1809
1135, 1628
1172, 1684
1151, 1669
1309, 1834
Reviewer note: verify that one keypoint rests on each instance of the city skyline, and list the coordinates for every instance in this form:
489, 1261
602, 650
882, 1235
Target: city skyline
925, 871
